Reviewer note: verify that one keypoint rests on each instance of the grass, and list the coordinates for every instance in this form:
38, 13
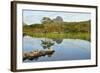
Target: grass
68, 35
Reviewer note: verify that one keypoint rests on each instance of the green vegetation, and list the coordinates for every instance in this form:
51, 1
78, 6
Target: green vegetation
57, 28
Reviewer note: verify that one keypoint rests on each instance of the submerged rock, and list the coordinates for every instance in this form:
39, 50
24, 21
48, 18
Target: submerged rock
36, 54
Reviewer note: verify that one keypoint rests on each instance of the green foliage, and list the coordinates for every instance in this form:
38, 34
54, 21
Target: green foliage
46, 20
54, 29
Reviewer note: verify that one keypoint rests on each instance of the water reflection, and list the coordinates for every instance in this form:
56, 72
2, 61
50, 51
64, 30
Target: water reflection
58, 41
42, 49
34, 55
47, 44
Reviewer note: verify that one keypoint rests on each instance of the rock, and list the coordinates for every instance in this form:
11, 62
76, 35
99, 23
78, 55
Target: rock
35, 54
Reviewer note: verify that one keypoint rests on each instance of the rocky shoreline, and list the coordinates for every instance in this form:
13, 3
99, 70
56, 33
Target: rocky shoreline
36, 54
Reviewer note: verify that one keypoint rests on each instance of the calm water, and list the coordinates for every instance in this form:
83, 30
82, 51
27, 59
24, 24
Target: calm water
66, 49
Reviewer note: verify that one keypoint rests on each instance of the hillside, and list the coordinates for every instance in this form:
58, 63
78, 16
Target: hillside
52, 29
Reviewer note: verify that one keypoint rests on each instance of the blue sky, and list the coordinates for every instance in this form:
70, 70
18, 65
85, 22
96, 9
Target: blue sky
32, 16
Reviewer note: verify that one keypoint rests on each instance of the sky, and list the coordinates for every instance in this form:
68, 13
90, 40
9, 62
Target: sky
33, 16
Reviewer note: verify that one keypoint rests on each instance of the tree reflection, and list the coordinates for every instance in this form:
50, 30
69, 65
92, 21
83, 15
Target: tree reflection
47, 44
58, 41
